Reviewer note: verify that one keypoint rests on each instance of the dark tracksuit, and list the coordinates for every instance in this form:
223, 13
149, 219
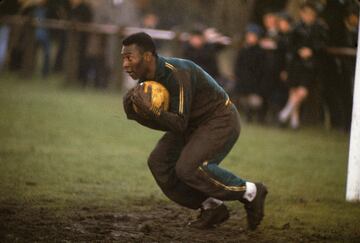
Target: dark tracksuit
202, 126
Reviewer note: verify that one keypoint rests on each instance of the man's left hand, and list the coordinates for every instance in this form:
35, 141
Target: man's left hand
142, 99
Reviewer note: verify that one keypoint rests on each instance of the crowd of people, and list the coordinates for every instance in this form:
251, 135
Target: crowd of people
285, 59
94, 52
280, 64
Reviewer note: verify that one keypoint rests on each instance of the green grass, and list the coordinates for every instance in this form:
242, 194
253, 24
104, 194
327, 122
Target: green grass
64, 148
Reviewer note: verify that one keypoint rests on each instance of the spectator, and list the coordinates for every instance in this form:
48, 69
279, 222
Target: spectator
271, 81
6, 8
249, 72
150, 21
81, 12
308, 40
18, 38
59, 10
4, 37
40, 12
351, 39
97, 65
203, 53
280, 91
348, 65
284, 41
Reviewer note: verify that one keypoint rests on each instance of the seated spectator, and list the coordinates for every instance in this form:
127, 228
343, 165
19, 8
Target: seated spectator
308, 40
249, 72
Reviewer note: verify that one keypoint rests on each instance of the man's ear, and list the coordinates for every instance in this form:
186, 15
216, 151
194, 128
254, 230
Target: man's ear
147, 56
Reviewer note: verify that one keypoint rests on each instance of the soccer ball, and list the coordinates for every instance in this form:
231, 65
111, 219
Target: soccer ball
160, 98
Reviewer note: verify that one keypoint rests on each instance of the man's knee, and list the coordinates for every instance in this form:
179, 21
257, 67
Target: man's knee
186, 173
153, 162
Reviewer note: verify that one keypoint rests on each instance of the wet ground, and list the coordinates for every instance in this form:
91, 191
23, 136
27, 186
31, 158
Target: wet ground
150, 223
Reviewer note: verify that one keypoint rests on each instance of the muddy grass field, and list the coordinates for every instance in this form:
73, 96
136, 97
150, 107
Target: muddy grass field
156, 223
73, 169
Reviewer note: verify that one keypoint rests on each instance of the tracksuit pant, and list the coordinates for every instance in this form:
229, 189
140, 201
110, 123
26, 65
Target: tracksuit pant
186, 166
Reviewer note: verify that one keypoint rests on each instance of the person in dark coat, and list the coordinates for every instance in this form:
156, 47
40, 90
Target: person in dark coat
198, 50
271, 81
284, 43
249, 72
81, 12
348, 64
59, 10
308, 42
23, 35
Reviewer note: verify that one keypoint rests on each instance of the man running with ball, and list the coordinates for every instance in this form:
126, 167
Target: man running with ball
201, 124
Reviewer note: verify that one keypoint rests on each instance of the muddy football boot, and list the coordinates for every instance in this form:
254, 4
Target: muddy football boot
255, 208
210, 217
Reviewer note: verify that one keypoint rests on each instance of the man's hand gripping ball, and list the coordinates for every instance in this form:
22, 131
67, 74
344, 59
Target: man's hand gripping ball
150, 98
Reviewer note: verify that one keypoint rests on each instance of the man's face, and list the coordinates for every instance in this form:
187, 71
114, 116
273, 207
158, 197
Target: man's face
284, 25
133, 61
308, 15
251, 38
197, 41
270, 21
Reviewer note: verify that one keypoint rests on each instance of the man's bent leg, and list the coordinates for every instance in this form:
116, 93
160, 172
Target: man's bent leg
198, 167
207, 147
162, 163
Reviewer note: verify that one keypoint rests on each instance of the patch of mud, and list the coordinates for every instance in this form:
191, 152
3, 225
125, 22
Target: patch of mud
154, 222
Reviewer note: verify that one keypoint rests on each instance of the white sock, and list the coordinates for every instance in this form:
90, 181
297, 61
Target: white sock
250, 192
285, 112
211, 203
294, 121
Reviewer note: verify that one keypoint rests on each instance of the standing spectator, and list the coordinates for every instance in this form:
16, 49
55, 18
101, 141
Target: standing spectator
280, 92
269, 43
40, 12
249, 72
97, 66
348, 64
4, 37
19, 33
351, 39
150, 20
203, 53
6, 8
335, 90
284, 41
81, 12
308, 41
59, 10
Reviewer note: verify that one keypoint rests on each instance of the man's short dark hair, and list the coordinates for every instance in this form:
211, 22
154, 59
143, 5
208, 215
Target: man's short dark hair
142, 40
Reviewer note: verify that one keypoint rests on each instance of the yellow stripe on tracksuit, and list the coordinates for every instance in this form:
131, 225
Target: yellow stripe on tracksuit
218, 183
181, 90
